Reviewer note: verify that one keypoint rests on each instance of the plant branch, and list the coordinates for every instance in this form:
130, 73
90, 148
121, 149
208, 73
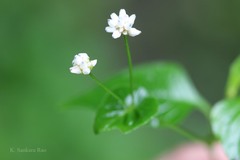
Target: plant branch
106, 89
190, 135
130, 67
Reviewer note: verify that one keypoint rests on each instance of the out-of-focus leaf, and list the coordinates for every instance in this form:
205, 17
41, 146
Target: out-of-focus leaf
167, 82
225, 119
125, 117
233, 83
171, 112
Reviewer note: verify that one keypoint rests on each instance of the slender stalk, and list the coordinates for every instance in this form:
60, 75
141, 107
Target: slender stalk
186, 133
130, 67
106, 89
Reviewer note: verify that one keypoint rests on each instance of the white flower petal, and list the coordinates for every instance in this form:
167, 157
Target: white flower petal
122, 24
83, 56
133, 32
116, 34
110, 29
114, 16
86, 70
75, 70
93, 62
77, 60
112, 23
127, 26
132, 19
82, 64
80, 58
122, 13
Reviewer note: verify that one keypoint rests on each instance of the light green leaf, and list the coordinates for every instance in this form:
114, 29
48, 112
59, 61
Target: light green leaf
225, 119
171, 112
113, 115
233, 83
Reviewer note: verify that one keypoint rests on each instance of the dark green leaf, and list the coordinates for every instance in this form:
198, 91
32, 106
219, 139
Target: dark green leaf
233, 83
225, 119
127, 117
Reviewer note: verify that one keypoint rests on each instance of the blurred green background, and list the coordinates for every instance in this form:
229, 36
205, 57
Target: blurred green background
38, 40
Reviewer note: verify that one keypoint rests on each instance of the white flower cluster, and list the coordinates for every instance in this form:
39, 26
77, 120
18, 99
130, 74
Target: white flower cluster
82, 64
122, 24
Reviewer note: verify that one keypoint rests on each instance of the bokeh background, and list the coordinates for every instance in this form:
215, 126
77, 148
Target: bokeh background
38, 40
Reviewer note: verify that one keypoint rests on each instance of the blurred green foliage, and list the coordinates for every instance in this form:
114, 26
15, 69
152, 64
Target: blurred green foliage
225, 120
233, 82
39, 38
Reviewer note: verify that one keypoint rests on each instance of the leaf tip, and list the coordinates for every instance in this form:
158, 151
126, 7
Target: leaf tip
96, 131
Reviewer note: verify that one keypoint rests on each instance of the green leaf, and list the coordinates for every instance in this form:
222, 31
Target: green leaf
233, 83
171, 112
166, 82
225, 119
113, 115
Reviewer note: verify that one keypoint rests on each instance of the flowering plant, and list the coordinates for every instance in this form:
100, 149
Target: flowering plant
158, 94
82, 64
122, 24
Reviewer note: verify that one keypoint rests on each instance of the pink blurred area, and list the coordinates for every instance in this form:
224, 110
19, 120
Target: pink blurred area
195, 151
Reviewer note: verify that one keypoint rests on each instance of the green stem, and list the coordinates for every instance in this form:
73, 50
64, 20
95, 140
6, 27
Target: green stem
106, 89
187, 133
130, 67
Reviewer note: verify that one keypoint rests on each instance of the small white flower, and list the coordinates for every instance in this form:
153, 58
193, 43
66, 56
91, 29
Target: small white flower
82, 64
122, 24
